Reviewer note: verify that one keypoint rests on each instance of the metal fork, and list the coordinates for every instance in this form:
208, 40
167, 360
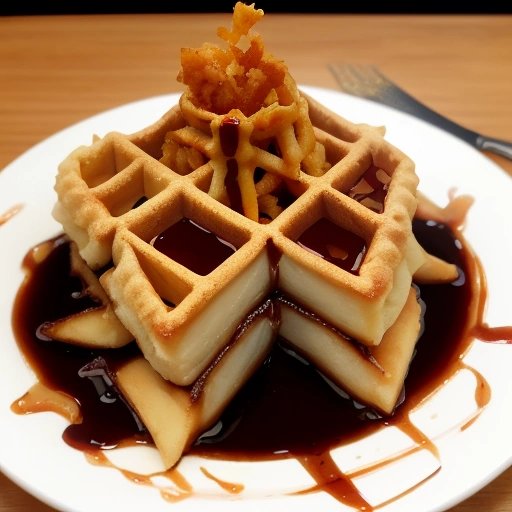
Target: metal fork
369, 82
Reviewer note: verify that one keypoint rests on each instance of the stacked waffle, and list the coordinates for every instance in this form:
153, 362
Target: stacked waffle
228, 222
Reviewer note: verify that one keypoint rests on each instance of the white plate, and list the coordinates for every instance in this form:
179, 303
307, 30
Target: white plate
34, 456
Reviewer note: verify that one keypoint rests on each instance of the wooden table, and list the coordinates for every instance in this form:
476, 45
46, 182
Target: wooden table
57, 70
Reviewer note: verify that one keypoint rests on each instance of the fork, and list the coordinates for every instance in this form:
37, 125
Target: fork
367, 81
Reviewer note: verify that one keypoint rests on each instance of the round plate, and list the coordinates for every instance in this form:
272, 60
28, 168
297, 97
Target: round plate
33, 454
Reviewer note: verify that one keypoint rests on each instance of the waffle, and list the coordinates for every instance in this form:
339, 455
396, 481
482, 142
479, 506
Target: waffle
320, 225
373, 376
193, 410
180, 318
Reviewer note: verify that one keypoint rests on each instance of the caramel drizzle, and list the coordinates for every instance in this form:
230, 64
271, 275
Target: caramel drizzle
41, 398
179, 491
180, 487
497, 335
230, 487
10, 213
501, 335
482, 394
332, 480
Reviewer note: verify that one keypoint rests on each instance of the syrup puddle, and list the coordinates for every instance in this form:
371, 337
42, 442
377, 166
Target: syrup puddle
344, 486
10, 213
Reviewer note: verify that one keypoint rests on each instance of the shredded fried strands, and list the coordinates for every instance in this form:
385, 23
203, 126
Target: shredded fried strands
221, 80
245, 117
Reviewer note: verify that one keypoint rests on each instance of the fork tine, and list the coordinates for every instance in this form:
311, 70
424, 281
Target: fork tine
343, 76
358, 80
367, 81
359, 72
384, 80
339, 73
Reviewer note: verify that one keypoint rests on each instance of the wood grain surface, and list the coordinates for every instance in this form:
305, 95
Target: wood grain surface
57, 70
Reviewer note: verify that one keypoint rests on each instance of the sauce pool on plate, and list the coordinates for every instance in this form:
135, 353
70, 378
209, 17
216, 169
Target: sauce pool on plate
287, 409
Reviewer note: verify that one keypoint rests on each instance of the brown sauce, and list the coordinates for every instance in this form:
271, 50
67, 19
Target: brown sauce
347, 252
282, 387
331, 480
371, 189
232, 187
286, 409
186, 242
228, 135
231, 487
50, 293
178, 489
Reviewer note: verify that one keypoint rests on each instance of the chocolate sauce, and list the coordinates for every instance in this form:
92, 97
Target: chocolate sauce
51, 293
187, 243
279, 390
228, 135
285, 410
307, 416
232, 187
334, 244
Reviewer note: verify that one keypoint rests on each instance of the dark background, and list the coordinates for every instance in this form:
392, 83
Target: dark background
28, 7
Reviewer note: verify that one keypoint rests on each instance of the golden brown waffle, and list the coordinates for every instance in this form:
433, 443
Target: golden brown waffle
374, 376
302, 172
193, 410
98, 186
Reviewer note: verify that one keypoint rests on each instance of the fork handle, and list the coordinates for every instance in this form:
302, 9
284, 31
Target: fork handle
497, 146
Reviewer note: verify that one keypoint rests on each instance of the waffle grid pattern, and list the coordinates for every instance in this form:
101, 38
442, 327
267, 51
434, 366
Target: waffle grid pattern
99, 185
